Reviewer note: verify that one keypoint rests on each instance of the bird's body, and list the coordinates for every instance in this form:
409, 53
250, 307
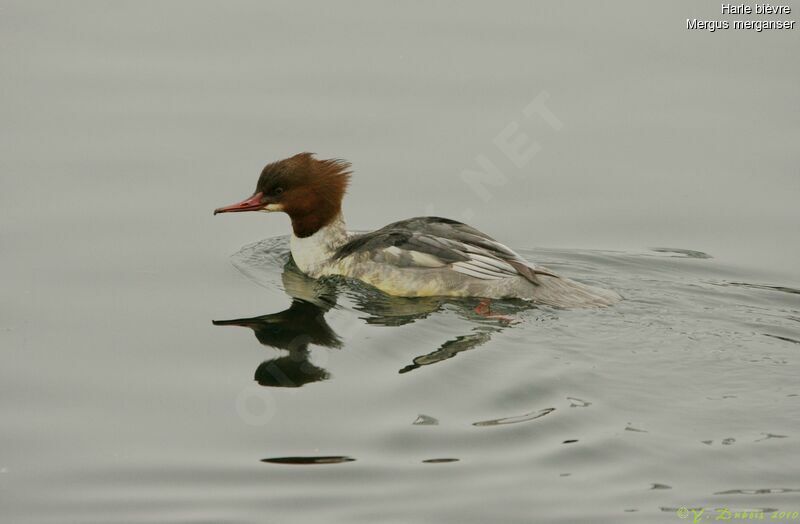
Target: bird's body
422, 256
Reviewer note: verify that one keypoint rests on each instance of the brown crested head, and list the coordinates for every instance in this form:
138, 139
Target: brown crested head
309, 190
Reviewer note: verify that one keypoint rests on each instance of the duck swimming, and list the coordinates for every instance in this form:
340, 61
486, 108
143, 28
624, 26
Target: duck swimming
416, 257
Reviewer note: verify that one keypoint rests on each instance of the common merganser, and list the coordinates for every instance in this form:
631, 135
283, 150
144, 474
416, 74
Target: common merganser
417, 257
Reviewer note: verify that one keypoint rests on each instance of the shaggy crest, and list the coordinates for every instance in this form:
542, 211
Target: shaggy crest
309, 190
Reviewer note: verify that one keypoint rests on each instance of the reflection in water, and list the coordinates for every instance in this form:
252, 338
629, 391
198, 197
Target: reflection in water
294, 330
451, 348
303, 324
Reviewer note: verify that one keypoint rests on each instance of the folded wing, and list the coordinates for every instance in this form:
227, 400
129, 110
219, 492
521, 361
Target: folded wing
433, 242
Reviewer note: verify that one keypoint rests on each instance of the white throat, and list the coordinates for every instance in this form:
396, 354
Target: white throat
312, 252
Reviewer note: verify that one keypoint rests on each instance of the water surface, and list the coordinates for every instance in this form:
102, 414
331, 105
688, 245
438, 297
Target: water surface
162, 365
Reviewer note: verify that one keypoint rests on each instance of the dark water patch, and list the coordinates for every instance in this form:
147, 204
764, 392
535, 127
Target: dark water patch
440, 460
707, 513
764, 287
785, 339
725, 442
768, 436
533, 415
758, 491
332, 459
685, 253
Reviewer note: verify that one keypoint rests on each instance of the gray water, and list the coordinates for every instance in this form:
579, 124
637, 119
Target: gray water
666, 169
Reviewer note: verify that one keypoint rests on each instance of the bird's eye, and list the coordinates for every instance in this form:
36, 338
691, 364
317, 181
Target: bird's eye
277, 191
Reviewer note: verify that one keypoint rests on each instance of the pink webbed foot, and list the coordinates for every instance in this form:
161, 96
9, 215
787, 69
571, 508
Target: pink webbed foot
484, 309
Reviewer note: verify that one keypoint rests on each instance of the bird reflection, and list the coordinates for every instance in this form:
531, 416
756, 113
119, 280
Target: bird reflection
293, 330
303, 325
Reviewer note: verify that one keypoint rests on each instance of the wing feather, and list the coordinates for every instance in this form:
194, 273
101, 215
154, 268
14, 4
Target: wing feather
473, 272
432, 242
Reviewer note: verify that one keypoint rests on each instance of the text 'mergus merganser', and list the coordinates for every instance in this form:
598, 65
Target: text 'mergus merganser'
422, 256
